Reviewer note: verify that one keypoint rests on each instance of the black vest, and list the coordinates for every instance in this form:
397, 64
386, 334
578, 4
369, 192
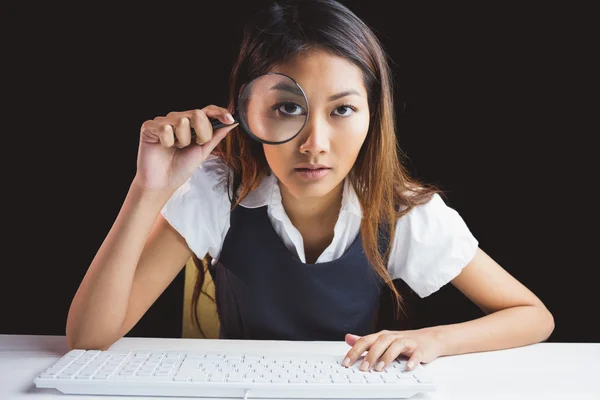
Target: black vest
264, 291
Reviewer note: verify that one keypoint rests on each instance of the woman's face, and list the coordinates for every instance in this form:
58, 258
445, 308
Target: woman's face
334, 132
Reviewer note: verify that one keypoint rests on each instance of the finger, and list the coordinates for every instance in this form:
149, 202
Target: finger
161, 129
351, 339
376, 350
222, 114
183, 133
414, 360
166, 134
213, 112
200, 123
396, 348
204, 117
217, 137
359, 348
149, 132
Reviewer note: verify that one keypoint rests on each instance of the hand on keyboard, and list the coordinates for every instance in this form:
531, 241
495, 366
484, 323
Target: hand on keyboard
419, 346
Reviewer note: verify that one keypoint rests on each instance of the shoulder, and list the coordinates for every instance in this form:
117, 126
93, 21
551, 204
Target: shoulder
432, 243
435, 209
431, 221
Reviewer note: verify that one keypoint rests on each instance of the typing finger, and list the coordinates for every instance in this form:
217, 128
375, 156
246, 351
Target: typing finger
415, 359
358, 349
395, 348
376, 350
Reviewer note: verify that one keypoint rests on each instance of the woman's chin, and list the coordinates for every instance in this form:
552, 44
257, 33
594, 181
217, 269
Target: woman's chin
302, 188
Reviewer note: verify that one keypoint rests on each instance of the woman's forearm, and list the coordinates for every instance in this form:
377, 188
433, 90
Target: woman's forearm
100, 304
512, 327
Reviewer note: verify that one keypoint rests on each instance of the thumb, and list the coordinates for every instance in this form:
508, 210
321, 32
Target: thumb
351, 339
199, 153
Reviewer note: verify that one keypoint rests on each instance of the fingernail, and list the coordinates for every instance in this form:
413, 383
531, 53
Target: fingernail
410, 364
229, 118
346, 362
379, 366
364, 366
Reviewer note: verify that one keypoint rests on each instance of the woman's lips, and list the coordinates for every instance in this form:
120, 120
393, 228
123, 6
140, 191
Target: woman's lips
312, 173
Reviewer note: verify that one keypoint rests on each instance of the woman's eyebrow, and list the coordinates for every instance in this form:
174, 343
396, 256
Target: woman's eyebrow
343, 94
287, 88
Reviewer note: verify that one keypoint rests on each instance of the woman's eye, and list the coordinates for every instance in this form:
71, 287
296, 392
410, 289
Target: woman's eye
344, 111
291, 109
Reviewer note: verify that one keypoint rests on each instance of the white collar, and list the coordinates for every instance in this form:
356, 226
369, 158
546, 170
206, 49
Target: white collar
268, 193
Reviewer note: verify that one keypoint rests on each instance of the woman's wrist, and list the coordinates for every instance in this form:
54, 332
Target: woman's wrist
144, 194
440, 335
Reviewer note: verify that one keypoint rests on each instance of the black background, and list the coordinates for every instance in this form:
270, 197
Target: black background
499, 115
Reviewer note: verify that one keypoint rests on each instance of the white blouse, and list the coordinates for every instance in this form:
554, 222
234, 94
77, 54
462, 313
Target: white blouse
431, 245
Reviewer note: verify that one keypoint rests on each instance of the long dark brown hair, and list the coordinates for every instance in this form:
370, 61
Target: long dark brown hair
384, 188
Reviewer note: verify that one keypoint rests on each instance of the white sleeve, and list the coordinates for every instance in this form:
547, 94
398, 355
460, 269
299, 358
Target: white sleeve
431, 246
199, 209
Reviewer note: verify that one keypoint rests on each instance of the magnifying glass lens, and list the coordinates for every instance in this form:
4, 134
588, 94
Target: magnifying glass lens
273, 108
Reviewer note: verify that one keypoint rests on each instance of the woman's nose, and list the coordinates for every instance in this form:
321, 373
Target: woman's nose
315, 136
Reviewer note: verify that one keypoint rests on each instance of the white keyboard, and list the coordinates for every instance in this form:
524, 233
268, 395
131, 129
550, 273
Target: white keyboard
226, 374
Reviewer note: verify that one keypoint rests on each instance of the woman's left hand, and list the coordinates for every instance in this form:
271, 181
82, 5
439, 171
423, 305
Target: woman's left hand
420, 346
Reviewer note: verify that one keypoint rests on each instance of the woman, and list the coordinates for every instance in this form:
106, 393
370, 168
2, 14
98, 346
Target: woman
300, 237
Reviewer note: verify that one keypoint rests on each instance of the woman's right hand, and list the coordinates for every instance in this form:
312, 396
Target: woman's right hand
168, 154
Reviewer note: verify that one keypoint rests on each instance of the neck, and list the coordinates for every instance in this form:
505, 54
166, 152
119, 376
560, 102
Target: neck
323, 210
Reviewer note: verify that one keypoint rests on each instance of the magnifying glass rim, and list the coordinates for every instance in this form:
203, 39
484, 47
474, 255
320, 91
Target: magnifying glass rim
243, 120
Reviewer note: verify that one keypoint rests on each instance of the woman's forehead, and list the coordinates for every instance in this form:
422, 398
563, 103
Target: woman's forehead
320, 72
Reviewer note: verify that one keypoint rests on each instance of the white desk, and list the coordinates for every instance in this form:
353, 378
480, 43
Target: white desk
543, 371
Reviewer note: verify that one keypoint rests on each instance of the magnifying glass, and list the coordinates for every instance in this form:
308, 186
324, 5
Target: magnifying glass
272, 109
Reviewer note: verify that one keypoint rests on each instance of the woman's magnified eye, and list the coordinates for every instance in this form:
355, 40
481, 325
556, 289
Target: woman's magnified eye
291, 109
